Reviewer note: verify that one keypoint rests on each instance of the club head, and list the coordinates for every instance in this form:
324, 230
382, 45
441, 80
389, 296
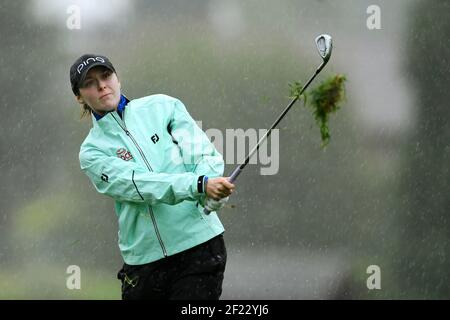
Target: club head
325, 46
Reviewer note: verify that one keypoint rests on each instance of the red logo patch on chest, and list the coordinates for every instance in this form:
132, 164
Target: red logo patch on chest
123, 154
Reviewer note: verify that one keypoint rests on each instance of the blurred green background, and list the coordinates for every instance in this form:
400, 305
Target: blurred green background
379, 194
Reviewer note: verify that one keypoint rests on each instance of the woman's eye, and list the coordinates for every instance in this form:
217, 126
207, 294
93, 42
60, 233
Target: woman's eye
106, 75
87, 83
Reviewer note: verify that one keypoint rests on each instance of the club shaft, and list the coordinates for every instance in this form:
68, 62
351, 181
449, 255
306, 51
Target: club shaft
237, 171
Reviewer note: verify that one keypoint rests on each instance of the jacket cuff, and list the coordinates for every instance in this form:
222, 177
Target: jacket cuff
201, 184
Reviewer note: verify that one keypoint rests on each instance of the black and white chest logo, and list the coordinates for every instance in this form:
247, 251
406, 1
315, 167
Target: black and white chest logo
104, 177
155, 138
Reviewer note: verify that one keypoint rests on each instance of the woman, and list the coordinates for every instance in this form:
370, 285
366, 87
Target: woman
149, 155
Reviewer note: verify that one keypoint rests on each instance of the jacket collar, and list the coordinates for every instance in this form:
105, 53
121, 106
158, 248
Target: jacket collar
122, 104
105, 120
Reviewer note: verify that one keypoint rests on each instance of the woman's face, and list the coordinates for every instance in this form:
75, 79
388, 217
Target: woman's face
100, 90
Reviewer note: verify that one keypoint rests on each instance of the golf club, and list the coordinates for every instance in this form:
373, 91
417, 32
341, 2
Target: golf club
324, 46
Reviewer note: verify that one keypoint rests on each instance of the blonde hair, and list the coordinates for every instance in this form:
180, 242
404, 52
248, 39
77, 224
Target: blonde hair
86, 111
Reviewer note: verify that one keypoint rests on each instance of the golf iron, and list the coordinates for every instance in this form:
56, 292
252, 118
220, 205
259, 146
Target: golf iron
324, 45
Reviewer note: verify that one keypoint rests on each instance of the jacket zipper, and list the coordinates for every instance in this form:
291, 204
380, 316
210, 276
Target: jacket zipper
128, 133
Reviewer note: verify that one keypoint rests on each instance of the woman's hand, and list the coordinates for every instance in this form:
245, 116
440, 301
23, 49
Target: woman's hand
214, 205
218, 188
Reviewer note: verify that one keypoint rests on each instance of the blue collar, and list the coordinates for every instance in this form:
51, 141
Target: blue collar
122, 104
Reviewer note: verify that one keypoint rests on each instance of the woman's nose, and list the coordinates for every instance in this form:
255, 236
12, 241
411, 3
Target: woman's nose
101, 84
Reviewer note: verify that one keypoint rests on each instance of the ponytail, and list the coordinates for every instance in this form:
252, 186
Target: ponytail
86, 111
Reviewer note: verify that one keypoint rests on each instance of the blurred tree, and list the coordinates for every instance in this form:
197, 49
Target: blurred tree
26, 72
24, 124
43, 215
423, 257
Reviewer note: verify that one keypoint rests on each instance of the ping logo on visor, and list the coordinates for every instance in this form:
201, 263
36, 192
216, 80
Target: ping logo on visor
87, 61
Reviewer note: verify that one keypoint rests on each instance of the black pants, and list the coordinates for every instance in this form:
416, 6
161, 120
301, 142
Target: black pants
195, 274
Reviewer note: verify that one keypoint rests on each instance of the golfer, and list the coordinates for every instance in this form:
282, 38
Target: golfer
150, 156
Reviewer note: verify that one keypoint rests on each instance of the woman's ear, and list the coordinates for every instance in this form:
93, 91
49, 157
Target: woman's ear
79, 99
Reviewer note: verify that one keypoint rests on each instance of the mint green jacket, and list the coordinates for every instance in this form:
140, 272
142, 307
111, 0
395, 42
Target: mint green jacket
149, 162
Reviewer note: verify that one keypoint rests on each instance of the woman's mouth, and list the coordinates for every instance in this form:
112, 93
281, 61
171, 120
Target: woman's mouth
105, 95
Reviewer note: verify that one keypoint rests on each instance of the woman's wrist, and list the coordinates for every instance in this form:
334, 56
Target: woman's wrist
205, 183
201, 184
